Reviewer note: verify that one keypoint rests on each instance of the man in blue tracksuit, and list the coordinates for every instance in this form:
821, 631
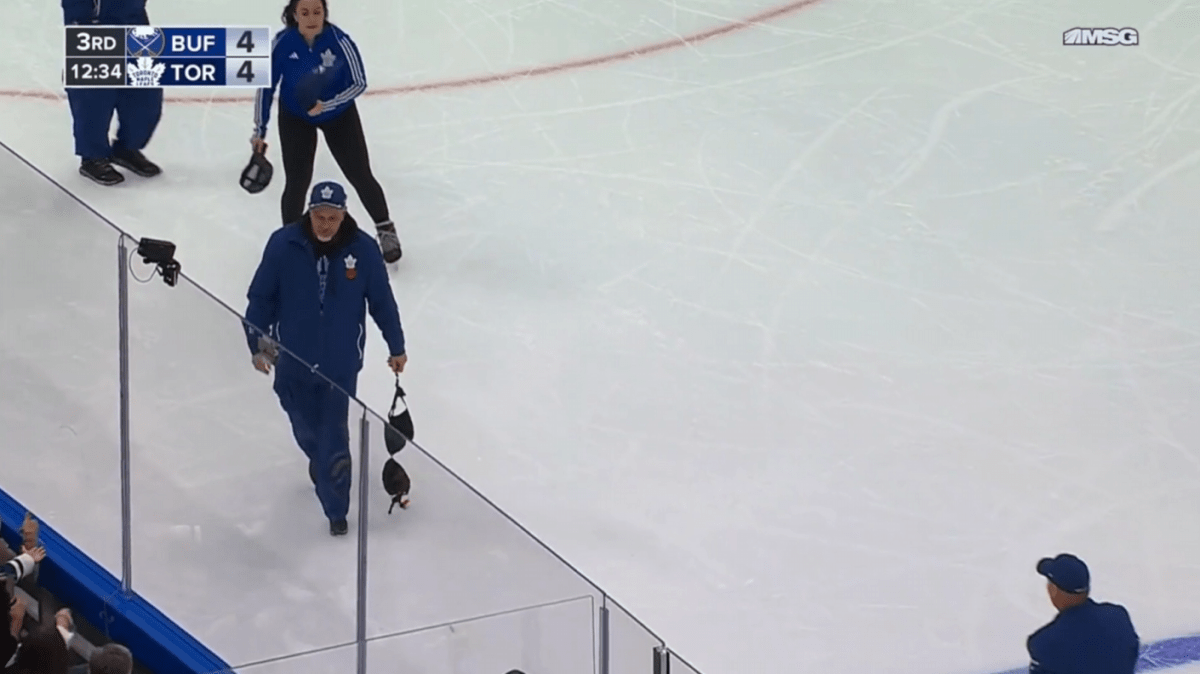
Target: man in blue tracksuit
1086, 637
311, 292
138, 110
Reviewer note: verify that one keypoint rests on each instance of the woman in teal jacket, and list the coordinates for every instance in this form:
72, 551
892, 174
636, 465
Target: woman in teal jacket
311, 293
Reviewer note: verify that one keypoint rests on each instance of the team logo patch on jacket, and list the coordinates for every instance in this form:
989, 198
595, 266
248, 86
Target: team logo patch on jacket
328, 58
351, 271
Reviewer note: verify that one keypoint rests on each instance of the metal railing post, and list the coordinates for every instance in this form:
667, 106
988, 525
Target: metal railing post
604, 639
662, 660
364, 431
123, 348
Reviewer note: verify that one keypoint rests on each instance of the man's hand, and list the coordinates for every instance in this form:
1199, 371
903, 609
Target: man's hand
317, 109
268, 355
397, 363
262, 362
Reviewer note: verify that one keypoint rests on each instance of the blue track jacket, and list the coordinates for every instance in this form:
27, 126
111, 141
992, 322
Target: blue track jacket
316, 307
105, 12
330, 71
1091, 638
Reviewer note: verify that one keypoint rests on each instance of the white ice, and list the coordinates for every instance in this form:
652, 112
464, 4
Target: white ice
804, 342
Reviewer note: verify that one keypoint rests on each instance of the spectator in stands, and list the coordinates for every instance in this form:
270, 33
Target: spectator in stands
44, 650
23, 564
11, 573
108, 659
1086, 637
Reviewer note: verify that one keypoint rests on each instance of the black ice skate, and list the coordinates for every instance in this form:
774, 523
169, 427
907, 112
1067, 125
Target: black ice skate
136, 161
338, 528
389, 243
101, 171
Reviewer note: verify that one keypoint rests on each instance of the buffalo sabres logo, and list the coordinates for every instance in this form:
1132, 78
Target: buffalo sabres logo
351, 271
145, 41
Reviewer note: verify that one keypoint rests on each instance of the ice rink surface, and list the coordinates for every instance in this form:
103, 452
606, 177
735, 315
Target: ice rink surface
805, 341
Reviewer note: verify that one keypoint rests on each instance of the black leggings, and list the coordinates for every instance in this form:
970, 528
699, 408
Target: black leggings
344, 136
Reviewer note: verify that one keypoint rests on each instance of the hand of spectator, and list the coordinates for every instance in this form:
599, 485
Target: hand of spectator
63, 619
38, 553
397, 363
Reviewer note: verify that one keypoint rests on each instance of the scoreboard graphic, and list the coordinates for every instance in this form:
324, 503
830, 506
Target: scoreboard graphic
149, 56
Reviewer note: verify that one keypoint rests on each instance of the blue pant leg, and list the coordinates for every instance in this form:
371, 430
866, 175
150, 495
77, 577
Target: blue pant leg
91, 116
334, 465
295, 397
138, 113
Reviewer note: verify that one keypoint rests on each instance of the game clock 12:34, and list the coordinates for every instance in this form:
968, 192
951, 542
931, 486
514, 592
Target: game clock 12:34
95, 72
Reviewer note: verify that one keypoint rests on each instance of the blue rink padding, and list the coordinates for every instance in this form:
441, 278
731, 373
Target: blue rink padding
1163, 654
95, 595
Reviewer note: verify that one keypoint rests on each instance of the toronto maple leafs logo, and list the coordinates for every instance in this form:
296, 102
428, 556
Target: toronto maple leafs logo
328, 58
327, 193
145, 73
350, 262
351, 269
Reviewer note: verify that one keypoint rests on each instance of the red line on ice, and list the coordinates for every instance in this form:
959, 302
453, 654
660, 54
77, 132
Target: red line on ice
480, 80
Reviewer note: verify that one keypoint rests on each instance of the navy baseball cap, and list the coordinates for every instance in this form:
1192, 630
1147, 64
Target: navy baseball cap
1067, 572
328, 193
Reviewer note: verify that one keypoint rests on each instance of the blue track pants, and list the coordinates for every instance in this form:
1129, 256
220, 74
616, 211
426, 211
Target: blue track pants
319, 415
138, 112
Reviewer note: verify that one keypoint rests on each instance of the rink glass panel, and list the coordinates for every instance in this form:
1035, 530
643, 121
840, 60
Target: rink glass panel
230, 538
341, 660
58, 363
631, 645
228, 535
451, 555
551, 638
681, 666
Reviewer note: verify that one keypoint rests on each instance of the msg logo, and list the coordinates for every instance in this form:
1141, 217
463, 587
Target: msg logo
1102, 36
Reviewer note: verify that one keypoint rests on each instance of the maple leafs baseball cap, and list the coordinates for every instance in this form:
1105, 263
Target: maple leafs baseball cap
328, 193
1067, 572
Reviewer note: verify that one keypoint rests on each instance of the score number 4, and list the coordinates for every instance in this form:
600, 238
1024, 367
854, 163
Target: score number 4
246, 70
246, 41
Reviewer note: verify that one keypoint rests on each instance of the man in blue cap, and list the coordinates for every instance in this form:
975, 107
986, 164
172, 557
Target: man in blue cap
310, 294
1086, 637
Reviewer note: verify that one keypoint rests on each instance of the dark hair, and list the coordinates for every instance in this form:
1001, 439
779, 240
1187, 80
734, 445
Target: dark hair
111, 658
289, 12
43, 652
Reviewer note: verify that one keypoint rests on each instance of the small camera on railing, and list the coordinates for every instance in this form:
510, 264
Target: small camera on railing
161, 254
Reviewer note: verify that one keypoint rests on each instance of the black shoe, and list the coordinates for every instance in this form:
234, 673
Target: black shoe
136, 161
101, 171
338, 528
389, 243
